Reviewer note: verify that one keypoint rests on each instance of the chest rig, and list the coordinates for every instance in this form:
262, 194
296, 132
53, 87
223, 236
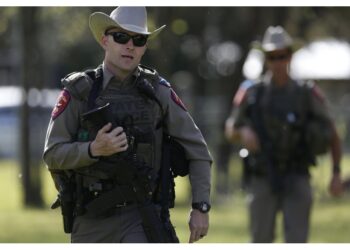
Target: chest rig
132, 106
281, 114
284, 114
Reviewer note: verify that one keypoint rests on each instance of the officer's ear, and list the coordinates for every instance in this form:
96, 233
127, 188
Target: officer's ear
104, 41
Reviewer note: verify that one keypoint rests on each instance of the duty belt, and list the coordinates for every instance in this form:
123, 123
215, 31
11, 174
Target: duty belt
103, 202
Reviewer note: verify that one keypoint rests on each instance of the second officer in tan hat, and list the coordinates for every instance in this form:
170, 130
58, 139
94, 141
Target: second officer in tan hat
107, 144
283, 124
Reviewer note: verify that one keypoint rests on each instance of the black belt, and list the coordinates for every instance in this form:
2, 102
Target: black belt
101, 186
119, 196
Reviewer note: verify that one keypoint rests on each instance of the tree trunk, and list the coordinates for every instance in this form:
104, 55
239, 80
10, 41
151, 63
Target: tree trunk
30, 162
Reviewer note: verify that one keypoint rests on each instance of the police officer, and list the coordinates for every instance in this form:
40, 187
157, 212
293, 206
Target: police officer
123, 35
271, 120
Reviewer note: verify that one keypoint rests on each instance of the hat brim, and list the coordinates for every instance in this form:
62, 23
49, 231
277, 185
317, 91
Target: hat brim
296, 45
273, 47
99, 22
267, 49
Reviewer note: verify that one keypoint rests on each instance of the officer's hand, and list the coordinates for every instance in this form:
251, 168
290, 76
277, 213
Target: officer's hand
336, 186
249, 139
108, 143
199, 224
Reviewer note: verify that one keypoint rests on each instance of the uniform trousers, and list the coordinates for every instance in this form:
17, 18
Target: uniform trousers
294, 202
124, 226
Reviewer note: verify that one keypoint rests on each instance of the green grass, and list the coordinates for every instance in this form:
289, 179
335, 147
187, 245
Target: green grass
228, 218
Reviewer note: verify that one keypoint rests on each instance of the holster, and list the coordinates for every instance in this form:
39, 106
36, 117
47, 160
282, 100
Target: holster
66, 198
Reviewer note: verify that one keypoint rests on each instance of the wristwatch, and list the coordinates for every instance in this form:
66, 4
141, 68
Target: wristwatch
202, 206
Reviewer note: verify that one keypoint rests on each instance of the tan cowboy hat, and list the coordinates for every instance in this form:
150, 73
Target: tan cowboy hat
276, 38
132, 19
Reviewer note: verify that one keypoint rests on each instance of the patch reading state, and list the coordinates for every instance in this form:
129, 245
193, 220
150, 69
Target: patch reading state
177, 100
61, 104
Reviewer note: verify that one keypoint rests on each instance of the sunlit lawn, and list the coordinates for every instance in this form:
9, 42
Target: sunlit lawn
228, 218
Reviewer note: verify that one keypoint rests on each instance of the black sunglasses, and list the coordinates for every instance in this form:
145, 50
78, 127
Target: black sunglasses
277, 57
123, 38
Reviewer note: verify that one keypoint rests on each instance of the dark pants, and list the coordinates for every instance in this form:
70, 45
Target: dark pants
124, 226
295, 204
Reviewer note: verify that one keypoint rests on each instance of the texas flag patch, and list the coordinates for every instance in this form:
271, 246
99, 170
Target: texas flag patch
61, 104
239, 97
177, 100
316, 91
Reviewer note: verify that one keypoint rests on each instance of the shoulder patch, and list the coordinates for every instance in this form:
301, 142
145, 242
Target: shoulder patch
61, 104
316, 91
177, 100
164, 83
242, 92
239, 97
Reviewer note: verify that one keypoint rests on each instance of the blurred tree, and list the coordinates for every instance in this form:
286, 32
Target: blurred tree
31, 77
6, 15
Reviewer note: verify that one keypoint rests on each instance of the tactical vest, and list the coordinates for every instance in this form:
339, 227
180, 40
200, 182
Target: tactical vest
283, 113
131, 109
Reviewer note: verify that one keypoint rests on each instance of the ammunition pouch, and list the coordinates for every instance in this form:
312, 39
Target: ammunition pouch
177, 156
103, 201
318, 136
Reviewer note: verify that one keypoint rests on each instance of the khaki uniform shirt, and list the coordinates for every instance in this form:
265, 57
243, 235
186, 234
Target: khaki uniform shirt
63, 151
